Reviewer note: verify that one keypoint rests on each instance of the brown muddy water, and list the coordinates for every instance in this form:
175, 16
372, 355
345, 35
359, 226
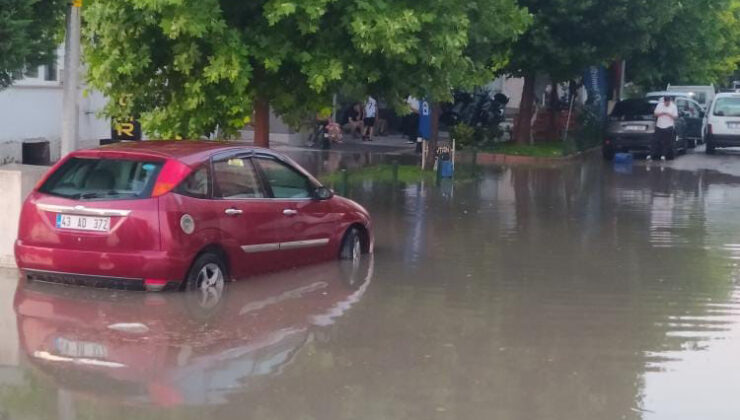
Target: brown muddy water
579, 292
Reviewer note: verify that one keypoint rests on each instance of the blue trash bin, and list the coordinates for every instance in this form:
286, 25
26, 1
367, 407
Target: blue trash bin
623, 158
445, 169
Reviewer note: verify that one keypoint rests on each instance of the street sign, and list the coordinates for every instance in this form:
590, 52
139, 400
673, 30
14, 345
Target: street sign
126, 130
425, 120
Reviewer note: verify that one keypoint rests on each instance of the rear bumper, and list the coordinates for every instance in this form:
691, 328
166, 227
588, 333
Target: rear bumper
724, 140
635, 142
121, 283
99, 269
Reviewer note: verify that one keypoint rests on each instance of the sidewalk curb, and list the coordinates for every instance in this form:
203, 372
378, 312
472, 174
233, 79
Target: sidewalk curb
486, 158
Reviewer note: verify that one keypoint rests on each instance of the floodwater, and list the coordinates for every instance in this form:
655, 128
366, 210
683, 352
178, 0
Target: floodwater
585, 291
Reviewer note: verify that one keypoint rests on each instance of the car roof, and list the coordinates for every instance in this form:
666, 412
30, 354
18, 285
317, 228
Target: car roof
728, 95
189, 152
649, 100
670, 93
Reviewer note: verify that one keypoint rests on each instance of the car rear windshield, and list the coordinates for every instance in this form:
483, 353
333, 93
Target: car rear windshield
103, 179
727, 107
633, 109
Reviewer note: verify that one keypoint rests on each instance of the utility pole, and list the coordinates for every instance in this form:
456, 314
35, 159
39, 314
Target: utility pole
70, 102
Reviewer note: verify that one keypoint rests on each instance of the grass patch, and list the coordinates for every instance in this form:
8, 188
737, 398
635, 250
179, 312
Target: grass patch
380, 173
549, 149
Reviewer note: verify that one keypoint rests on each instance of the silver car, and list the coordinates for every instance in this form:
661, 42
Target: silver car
631, 128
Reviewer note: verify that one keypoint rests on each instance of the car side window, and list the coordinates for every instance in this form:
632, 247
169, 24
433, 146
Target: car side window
236, 178
196, 185
683, 106
284, 181
694, 110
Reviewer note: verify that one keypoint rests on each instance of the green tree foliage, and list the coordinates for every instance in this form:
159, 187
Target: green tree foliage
187, 66
28, 35
700, 45
569, 35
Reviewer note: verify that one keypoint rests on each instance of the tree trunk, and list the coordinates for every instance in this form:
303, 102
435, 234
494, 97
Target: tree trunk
523, 132
261, 122
432, 142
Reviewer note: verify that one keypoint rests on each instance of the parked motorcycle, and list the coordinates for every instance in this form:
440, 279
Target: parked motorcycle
478, 109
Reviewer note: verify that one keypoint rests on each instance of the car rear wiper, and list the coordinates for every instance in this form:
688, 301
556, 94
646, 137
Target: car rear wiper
84, 196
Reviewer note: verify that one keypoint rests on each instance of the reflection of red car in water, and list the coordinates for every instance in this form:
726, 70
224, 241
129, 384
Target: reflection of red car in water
170, 349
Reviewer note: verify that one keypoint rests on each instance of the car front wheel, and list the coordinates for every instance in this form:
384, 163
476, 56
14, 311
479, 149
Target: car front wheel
710, 147
351, 245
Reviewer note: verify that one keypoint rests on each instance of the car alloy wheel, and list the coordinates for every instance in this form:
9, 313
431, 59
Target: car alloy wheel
210, 283
206, 282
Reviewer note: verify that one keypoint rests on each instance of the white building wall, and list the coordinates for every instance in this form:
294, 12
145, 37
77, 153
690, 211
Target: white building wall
31, 109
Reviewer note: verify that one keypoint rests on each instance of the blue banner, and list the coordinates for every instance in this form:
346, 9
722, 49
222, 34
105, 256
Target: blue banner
425, 120
596, 84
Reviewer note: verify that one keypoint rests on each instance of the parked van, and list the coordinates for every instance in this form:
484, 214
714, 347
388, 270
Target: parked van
702, 94
723, 122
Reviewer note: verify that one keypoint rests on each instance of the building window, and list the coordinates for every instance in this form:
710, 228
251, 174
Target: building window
32, 72
50, 71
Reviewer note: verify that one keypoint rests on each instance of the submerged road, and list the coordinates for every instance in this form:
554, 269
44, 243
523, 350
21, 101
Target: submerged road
585, 291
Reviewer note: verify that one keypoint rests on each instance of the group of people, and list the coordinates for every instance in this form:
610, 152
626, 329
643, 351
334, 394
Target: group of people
361, 119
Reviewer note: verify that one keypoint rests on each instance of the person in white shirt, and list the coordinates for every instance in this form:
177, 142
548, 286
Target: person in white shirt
666, 114
371, 111
411, 120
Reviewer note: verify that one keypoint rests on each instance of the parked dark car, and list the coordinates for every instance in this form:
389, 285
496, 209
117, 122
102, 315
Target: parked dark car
631, 128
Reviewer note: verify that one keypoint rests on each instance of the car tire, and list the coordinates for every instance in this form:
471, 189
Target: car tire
710, 147
205, 283
691, 144
607, 153
351, 249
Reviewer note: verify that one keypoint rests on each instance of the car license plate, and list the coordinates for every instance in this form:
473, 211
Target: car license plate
71, 221
635, 127
74, 348
733, 125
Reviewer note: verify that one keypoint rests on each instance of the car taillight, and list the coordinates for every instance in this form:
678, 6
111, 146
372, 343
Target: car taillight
709, 128
607, 141
172, 173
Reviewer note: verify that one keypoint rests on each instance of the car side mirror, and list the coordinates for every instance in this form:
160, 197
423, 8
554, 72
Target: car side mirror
323, 193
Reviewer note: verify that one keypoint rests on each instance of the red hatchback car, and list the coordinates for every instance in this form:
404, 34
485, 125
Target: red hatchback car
181, 214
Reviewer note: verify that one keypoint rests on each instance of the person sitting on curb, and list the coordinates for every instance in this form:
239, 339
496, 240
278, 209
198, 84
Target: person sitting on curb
354, 120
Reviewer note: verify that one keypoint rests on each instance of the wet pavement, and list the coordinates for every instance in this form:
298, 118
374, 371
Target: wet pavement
586, 291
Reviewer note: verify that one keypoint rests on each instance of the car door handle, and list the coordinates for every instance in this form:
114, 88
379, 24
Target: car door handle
233, 212
290, 212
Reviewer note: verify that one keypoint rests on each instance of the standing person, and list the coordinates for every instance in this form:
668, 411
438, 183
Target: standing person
371, 111
354, 120
411, 121
666, 114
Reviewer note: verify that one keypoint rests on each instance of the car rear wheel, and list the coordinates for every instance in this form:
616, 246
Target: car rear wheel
206, 281
351, 246
608, 153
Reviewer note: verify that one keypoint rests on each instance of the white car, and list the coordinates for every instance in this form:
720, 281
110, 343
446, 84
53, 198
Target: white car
702, 94
723, 122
